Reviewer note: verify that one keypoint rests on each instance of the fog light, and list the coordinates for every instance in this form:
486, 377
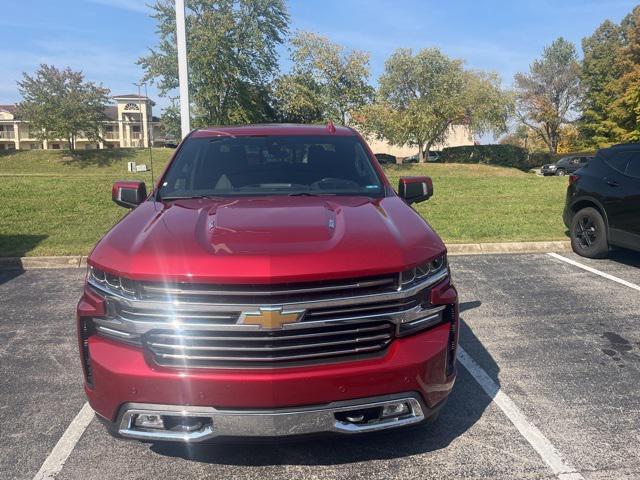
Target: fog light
395, 409
149, 421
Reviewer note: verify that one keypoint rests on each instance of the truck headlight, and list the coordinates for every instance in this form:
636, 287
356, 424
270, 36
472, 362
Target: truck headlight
113, 282
423, 271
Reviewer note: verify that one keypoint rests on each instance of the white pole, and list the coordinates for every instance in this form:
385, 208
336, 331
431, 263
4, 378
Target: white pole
183, 75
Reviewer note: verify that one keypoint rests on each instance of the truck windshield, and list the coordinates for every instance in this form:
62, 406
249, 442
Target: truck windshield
270, 165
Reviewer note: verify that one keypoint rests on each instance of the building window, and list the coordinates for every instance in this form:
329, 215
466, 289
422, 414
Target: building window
136, 128
132, 107
35, 146
55, 146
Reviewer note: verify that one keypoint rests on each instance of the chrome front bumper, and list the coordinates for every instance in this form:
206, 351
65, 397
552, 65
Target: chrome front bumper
337, 417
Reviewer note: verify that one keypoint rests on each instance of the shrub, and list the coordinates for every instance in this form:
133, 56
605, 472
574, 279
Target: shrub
541, 158
503, 155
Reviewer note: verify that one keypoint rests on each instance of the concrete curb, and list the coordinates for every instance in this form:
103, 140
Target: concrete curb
33, 263
513, 247
80, 261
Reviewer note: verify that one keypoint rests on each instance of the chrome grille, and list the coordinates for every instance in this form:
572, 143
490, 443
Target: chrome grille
197, 325
207, 348
282, 293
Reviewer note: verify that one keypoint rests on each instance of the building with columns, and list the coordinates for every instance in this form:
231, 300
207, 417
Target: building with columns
129, 124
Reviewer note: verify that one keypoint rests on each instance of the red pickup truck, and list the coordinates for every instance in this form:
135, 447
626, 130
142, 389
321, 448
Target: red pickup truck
272, 284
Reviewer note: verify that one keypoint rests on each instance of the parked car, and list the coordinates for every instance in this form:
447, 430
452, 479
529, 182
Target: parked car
273, 283
431, 157
603, 202
385, 158
565, 166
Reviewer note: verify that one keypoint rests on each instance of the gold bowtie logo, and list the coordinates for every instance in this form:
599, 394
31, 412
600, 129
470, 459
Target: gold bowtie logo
271, 318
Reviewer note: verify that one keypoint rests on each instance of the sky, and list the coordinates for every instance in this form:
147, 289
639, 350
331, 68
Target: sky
104, 38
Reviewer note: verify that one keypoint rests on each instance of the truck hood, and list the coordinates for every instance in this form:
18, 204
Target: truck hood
266, 239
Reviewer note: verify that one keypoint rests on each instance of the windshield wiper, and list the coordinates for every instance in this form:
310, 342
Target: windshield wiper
303, 194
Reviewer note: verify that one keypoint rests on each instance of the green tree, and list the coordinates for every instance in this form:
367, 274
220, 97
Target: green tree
60, 104
623, 111
337, 80
170, 120
422, 96
548, 96
601, 65
231, 50
298, 98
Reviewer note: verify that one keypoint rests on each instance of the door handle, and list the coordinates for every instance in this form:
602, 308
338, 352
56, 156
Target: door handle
610, 182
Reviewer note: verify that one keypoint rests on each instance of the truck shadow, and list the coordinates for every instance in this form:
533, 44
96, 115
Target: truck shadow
12, 247
465, 407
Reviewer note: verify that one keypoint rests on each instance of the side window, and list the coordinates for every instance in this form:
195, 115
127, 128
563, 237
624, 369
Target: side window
619, 160
575, 161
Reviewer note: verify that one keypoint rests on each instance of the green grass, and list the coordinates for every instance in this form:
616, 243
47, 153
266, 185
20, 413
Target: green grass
480, 203
54, 204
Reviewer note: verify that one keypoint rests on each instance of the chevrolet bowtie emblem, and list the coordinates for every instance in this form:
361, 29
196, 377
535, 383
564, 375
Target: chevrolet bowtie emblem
271, 318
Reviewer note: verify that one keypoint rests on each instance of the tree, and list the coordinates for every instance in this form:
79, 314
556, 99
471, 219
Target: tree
298, 99
231, 49
338, 81
601, 65
170, 120
548, 96
61, 105
623, 111
422, 96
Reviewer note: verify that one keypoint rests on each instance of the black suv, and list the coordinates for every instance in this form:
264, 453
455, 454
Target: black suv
603, 202
565, 165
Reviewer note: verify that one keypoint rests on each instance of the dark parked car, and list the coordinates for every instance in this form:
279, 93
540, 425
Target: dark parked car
603, 202
385, 158
565, 166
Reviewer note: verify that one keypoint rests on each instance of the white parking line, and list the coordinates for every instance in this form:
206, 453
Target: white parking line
55, 461
597, 272
528, 430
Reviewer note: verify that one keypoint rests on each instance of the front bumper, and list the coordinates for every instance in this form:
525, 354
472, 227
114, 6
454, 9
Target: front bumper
124, 378
206, 423
121, 374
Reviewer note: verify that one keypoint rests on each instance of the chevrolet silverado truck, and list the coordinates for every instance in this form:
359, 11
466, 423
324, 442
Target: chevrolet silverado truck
272, 284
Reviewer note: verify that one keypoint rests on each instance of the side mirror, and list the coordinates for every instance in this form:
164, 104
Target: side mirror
128, 194
415, 189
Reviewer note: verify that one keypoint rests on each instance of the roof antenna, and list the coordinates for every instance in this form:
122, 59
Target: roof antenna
331, 127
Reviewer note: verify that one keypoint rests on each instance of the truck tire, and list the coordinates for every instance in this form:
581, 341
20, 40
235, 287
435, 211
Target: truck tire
589, 234
561, 172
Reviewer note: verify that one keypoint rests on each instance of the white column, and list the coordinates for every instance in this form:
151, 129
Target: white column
120, 133
16, 135
145, 127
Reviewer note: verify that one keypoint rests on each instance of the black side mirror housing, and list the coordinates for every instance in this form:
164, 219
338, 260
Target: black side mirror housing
128, 194
415, 189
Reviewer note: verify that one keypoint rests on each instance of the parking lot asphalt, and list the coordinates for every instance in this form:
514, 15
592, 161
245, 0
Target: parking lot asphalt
562, 343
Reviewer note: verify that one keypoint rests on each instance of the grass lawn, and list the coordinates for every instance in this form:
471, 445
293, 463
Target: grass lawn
53, 204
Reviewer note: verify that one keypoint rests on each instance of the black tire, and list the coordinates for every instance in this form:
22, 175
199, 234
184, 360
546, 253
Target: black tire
589, 234
560, 172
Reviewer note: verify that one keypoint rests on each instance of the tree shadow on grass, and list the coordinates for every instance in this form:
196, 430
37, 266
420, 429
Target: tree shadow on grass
98, 158
12, 247
465, 407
